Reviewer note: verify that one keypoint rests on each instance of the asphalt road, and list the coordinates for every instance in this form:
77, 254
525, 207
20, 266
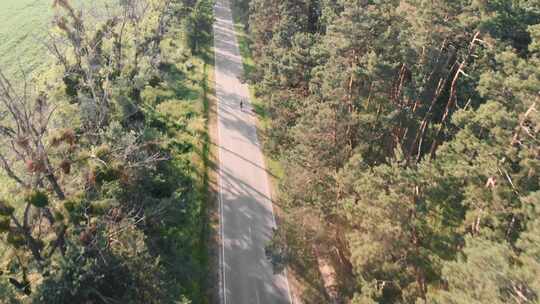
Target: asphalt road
246, 209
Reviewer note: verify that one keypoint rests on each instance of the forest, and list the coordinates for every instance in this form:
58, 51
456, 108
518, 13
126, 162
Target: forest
103, 156
407, 136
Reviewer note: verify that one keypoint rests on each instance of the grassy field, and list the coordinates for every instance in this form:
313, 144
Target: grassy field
23, 28
24, 25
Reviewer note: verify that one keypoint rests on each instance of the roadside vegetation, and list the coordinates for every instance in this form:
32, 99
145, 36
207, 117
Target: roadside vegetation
103, 158
408, 135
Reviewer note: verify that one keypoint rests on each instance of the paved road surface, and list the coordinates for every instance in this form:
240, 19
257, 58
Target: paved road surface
246, 210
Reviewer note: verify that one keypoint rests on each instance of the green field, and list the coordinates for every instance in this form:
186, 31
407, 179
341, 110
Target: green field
23, 31
23, 28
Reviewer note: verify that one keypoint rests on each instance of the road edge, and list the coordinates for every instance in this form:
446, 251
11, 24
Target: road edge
271, 179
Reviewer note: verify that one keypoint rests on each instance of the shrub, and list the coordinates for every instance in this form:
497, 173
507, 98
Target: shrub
122, 272
37, 198
5, 208
4, 224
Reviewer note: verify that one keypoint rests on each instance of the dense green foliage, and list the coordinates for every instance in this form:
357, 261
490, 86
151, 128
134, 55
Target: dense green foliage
102, 159
408, 132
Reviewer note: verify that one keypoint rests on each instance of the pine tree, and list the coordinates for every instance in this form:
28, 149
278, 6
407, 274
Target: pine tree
409, 128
